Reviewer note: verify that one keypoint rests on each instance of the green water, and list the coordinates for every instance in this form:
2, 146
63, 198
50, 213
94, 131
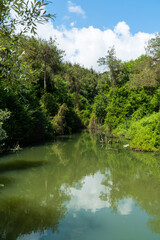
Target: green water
74, 189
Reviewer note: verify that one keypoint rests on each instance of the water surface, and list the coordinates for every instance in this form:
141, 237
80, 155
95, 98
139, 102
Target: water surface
73, 189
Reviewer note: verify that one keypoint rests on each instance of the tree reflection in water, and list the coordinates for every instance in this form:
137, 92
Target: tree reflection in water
37, 188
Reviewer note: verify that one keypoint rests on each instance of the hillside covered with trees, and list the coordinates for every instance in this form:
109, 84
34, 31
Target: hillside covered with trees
42, 96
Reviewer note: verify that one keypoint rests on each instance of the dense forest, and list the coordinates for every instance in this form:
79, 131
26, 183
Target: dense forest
42, 96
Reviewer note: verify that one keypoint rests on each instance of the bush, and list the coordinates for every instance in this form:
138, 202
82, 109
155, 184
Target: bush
145, 133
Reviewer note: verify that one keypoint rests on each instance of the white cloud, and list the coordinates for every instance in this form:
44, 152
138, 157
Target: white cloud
122, 29
125, 206
73, 8
86, 45
88, 197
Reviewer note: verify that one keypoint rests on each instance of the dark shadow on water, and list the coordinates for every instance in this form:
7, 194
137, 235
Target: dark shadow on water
6, 180
20, 165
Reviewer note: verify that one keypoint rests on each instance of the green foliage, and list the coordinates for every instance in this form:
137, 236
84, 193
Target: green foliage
93, 123
85, 110
25, 14
135, 93
3, 116
155, 101
49, 102
58, 122
153, 48
85, 116
145, 133
113, 64
124, 104
62, 92
66, 121
24, 126
46, 97
100, 107
81, 81
40, 127
143, 73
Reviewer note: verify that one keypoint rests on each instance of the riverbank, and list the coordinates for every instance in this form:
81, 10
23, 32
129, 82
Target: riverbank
142, 135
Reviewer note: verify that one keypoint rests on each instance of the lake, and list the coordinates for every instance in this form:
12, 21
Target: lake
75, 189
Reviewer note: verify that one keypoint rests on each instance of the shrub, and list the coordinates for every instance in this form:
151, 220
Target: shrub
145, 133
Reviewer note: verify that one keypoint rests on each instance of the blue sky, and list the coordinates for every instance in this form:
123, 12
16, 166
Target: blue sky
86, 29
140, 15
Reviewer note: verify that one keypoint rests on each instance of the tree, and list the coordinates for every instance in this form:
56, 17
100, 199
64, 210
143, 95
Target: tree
143, 73
44, 55
100, 107
16, 74
113, 64
50, 56
153, 48
74, 78
26, 14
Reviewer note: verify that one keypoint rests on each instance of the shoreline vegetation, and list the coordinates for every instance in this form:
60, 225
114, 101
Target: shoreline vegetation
42, 96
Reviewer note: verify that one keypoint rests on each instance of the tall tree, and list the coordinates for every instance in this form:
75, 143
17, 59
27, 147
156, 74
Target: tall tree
51, 57
25, 14
153, 48
111, 62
